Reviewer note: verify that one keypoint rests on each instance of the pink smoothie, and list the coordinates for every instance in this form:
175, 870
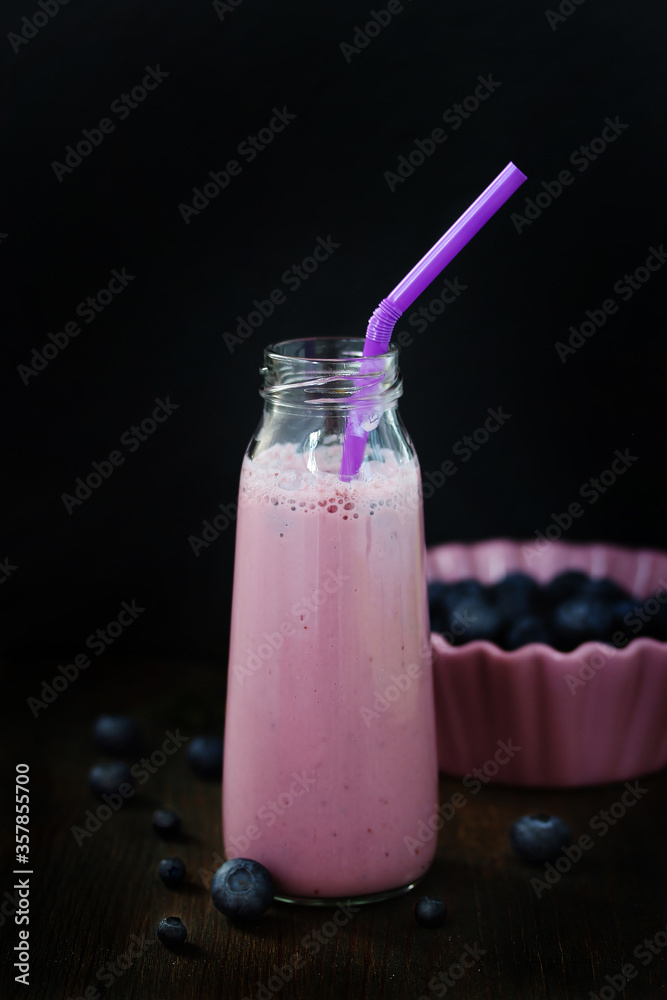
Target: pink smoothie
330, 758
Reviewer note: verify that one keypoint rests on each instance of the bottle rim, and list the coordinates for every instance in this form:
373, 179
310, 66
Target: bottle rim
273, 352
329, 370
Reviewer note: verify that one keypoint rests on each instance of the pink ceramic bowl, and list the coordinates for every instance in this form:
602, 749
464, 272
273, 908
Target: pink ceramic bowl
593, 715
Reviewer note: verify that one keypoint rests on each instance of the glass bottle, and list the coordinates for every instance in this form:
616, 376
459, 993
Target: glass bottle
330, 764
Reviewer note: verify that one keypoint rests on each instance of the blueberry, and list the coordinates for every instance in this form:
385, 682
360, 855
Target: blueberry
526, 629
606, 590
171, 931
166, 823
117, 734
106, 779
620, 610
436, 594
471, 619
242, 888
582, 619
171, 871
515, 596
565, 585
430, 912
539, 838
204, 755
631, 618
656, 627
459, 591
437, 622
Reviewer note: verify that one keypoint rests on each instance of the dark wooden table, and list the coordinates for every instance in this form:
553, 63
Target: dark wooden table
95, 905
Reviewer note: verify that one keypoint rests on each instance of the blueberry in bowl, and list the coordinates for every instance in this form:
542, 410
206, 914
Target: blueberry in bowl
583, 618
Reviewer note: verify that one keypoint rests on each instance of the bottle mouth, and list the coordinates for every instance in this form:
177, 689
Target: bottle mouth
326, 370
334, 349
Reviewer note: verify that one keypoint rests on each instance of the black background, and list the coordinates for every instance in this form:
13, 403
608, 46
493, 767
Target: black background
322, 176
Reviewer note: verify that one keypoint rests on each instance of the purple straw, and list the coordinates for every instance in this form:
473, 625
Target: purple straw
384, 318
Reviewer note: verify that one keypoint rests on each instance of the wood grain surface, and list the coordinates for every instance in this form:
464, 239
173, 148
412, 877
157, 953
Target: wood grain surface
95, 905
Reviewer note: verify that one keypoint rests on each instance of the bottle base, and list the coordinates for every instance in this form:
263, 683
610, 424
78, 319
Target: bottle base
360, 900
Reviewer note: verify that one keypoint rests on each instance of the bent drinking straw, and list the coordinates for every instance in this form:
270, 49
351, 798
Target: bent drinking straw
384, 318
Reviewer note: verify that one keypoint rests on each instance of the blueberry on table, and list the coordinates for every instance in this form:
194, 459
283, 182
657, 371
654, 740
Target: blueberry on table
539, 838
166, 823
242, 888
106, 779
528, 628
171, 871
204, 755
430, 912
117, 734
582, 619
171, 931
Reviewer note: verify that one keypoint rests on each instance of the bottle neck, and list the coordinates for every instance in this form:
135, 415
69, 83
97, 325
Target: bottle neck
329, 373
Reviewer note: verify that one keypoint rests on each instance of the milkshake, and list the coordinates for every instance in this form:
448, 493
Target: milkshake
330, 755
